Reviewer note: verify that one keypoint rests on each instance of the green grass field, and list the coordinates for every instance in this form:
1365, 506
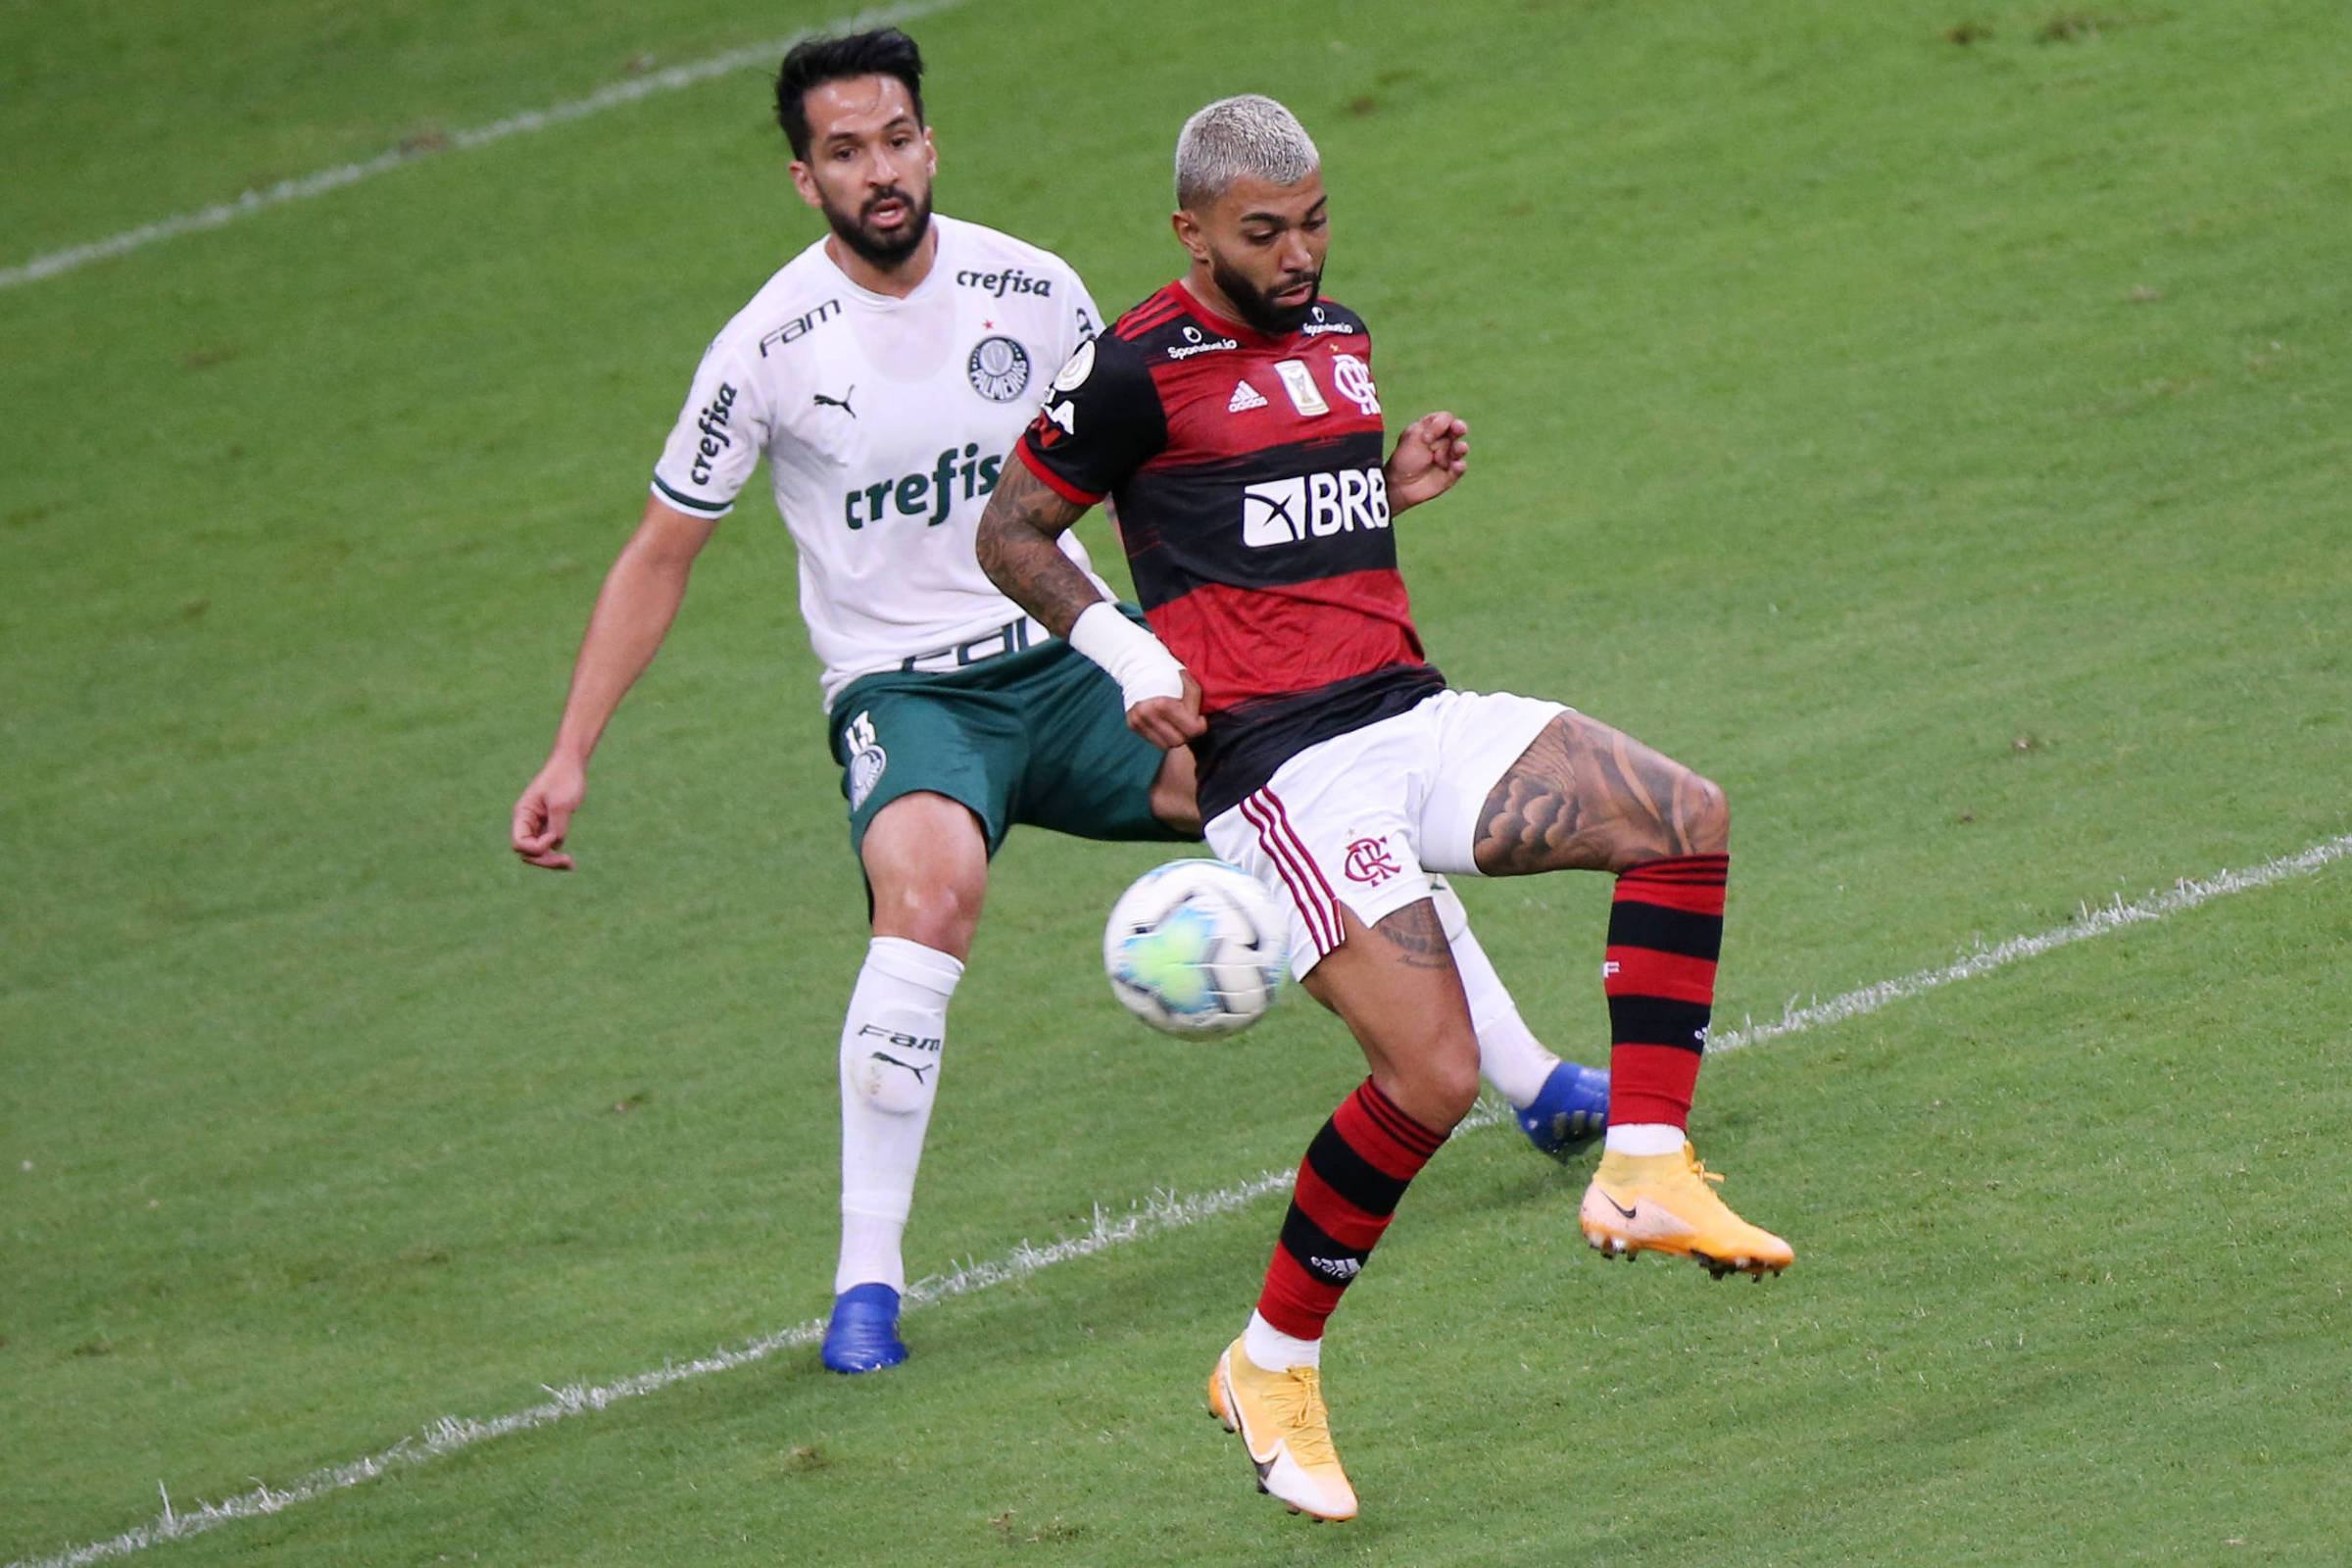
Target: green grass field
1931, 420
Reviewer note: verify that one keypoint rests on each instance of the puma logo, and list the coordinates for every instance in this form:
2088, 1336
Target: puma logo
842, 402
928, 1066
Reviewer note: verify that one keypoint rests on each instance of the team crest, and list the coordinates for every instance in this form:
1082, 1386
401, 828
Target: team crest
1353, 377
999, 368
1369, 859
867, 761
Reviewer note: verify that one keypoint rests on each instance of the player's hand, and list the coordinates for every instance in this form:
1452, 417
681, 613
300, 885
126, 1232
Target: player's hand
542, 815
1432, 454
1167, 722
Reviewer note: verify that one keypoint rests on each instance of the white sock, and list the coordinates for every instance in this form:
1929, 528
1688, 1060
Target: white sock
1645, 1138
890, 1056
1511, 1055
1269, 1349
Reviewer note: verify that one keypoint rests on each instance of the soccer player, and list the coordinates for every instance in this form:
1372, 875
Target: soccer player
885, 373
1235, 417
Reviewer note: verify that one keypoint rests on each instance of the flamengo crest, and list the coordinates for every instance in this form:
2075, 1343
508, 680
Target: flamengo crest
1353, 377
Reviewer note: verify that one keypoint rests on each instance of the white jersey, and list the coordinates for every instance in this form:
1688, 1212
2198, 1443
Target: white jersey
886, 423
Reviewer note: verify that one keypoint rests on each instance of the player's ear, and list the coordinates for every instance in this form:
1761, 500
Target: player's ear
806, 183
1187, 233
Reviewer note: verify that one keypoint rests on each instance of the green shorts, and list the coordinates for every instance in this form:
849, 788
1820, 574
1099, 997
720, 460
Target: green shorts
1037, 736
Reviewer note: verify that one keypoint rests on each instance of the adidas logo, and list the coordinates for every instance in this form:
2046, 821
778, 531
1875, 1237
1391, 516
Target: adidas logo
1337, 1268
1244, 397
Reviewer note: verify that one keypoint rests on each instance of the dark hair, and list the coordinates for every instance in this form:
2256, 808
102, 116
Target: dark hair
814, 62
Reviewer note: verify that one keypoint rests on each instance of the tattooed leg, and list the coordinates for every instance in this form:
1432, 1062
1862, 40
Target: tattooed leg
1394, 986
1585, 797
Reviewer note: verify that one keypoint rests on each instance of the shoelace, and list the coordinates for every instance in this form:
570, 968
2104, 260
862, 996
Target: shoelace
1296, 1398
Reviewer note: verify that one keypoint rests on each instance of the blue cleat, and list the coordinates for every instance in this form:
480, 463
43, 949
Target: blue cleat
864, 1335
1569, 1111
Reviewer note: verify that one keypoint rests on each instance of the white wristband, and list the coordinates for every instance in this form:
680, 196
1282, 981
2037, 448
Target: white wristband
1138, 661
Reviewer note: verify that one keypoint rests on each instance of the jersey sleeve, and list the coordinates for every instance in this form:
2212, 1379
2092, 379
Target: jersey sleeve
1102, 420
1085, 318
717, 440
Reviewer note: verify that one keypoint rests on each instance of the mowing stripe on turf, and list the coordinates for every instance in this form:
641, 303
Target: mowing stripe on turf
764, 55
1156, 1215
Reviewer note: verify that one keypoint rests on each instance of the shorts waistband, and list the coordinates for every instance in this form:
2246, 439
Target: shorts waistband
1013, 637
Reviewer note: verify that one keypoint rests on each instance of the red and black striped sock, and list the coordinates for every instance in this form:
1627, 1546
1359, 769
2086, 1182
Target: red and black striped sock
1665, 933
1355, 1172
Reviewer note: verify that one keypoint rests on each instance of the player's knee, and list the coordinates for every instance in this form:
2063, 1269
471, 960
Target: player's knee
1176, 809
1173, 798
1702, 816
1454, 1090
1442, 1086
939, 913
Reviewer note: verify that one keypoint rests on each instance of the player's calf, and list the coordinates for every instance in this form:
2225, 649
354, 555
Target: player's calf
891, 1044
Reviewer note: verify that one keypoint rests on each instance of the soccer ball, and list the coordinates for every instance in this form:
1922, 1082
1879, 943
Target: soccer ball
1196, 948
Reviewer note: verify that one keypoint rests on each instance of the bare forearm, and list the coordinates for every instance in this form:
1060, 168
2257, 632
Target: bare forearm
1018, 549
633, 613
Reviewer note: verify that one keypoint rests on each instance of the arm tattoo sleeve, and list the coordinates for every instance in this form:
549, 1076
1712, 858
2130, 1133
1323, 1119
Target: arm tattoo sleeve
1017, 549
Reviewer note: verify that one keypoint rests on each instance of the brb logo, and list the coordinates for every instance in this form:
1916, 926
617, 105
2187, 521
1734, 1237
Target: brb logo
1313, 504
1369, 861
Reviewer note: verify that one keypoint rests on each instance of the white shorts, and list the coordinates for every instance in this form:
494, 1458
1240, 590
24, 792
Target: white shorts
1362, 818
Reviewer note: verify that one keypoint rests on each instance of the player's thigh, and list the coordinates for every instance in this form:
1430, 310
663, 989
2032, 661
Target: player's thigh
1524, 785
1472, 741
896, 738
1394, 984
1331, 834
1087, 774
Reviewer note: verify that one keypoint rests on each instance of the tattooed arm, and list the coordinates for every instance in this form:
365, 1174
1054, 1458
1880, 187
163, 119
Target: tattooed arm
1025, 516
1017, 549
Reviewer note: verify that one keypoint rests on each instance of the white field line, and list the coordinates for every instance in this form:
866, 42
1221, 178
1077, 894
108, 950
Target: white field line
1164, 1211
766, 55
1157, 1215
2187, 894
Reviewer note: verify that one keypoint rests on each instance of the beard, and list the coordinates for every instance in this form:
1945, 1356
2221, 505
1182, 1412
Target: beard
873, 246
1256, 305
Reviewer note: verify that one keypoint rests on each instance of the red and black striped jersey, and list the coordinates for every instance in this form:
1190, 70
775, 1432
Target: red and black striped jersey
1247, 470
